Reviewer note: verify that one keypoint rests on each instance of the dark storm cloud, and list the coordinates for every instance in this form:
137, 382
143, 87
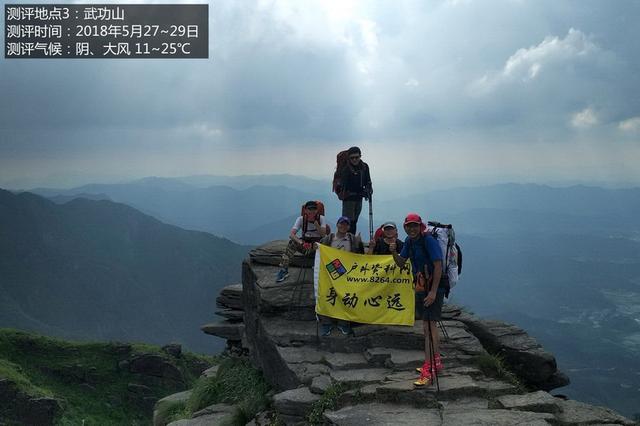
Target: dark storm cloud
282, 74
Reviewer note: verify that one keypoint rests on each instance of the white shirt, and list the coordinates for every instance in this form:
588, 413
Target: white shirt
312, 232
343, 243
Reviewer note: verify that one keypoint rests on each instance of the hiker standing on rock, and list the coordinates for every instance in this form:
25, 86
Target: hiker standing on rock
313, 226
426, 263
352, 182
342, 240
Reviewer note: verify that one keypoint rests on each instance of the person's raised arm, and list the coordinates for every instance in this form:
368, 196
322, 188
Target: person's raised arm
400, 261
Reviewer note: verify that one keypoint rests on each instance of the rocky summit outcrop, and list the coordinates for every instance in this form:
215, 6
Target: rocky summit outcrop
375, 367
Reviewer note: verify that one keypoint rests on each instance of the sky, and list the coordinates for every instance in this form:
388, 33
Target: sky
459, 91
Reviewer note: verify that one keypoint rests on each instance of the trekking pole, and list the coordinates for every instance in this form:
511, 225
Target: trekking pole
299, 284
296, 290
445, 335
370, 218
432, 356
432, 350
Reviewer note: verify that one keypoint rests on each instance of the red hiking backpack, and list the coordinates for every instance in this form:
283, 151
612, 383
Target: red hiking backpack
378, 234
342, 161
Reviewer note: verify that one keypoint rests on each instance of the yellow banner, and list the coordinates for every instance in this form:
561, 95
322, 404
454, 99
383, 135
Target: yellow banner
369, 289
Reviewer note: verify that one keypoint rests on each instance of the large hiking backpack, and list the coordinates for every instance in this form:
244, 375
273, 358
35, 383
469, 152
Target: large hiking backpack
378, 234
446, 237
305, 223
342, 161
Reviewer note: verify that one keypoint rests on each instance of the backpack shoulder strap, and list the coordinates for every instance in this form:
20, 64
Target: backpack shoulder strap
426, 249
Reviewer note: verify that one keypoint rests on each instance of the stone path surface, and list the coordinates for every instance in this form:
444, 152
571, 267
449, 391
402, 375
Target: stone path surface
376, 365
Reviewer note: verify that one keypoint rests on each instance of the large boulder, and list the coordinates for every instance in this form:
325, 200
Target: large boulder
521, 352
271, 254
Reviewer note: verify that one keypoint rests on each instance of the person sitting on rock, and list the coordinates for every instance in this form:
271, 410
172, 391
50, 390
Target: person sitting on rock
313, 226
380, 245
342, 240
426, 264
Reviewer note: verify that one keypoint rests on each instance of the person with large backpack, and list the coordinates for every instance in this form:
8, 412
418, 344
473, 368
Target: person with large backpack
384, 236
313, 226
426, 263
352, 183
342, 240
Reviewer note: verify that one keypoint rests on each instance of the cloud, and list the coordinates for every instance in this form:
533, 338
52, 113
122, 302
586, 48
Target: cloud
330, 73
584, 119
527, 64
630, 124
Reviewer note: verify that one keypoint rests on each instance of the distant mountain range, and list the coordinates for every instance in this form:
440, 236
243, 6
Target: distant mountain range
102, 270
253, 214
561, 262
220, 210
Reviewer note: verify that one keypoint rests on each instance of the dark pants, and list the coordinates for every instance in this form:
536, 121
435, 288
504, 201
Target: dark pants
432, 312
352, 209
292, 248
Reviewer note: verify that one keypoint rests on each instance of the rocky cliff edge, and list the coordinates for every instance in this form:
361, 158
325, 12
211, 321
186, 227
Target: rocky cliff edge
376, 366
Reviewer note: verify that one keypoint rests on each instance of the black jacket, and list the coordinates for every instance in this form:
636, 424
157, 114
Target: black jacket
356, 181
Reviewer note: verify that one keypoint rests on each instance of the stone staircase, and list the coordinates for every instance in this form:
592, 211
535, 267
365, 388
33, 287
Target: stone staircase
376, 365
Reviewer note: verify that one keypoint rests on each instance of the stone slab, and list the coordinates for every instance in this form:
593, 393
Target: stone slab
495, 418
230, 297
295, 402
320, 384
346, 361
465, 404
376, 414
212, 415
539, 402
306, 372
296, 355
578, 413
225, 330
361, 376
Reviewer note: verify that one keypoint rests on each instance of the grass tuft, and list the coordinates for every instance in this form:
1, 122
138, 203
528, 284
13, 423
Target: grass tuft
238, 383
328, 401
494, 366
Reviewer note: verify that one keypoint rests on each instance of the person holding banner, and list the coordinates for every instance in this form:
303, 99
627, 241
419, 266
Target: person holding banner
342, 240
426, 261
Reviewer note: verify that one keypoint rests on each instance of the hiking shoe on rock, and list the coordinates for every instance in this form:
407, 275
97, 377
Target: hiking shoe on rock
424, 379
438, 364
345, 329
326, 330
282, 275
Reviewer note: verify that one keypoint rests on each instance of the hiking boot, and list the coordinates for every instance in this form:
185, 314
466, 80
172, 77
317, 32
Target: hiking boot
282, 275
425, 377
325, 330
438, 364
345, 329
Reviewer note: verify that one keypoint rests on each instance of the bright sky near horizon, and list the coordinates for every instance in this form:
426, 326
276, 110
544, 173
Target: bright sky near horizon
474, 91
